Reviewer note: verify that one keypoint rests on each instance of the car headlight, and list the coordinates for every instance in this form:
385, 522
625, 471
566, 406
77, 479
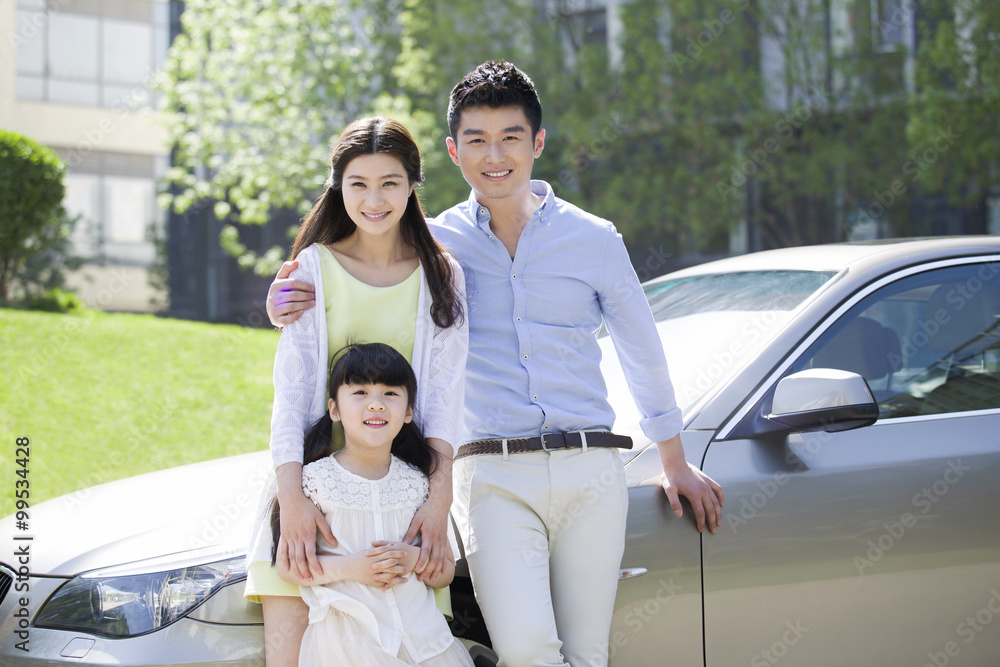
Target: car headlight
132, 600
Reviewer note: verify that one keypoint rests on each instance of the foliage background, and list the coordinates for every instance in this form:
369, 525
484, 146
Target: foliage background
803, 119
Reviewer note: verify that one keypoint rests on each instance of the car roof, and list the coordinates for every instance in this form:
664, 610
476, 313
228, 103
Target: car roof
885, 255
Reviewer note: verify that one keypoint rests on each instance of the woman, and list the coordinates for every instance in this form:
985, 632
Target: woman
381, 277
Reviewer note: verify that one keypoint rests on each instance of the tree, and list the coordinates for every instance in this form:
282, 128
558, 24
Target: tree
777, 112
957, 100
676, 119
685, 126
255, 93
32, 218
45, 271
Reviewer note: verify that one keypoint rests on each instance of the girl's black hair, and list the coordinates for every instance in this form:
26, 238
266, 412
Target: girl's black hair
364, 363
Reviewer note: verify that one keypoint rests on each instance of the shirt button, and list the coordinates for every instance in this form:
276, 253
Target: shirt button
519, 319
546, 428
514, 276
525, 356
482, 211
535, 397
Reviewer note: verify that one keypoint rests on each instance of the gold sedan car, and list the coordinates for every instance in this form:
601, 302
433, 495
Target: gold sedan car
847, 398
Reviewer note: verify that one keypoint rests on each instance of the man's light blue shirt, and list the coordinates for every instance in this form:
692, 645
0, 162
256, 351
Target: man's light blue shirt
534, 361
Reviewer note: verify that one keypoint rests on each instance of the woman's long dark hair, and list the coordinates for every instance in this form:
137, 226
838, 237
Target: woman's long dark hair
328, 221
364, 363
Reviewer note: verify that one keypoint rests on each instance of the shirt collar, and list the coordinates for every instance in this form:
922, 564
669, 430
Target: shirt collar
481, 215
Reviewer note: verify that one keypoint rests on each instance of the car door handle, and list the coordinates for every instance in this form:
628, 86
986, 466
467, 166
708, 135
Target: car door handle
630, 572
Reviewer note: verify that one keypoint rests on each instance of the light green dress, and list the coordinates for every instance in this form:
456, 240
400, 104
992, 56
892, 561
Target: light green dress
357, 312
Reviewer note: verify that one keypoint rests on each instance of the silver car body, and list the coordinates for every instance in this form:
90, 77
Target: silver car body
870, 546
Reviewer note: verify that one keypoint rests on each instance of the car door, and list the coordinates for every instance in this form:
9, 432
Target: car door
874, 546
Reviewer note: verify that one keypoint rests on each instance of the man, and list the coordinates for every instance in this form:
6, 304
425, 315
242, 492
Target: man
542, 519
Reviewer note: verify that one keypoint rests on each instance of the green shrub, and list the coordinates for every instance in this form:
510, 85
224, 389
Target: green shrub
31, 212
56, 300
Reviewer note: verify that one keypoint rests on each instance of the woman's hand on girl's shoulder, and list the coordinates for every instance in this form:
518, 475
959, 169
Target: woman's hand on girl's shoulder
288, 298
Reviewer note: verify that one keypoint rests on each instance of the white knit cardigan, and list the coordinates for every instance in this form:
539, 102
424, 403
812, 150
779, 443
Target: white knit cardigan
300, 382
300, 369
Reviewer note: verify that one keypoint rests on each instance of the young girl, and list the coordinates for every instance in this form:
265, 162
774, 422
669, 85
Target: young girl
368, 491
378, 276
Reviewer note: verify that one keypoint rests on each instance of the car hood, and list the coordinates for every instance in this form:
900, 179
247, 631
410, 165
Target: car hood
199, 508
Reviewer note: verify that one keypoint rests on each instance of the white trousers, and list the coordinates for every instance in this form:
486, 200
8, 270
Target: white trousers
544, 535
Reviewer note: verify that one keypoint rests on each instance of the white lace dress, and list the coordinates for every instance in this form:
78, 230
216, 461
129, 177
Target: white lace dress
354, 624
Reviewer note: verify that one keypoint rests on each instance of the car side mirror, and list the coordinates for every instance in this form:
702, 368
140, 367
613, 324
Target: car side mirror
823, 399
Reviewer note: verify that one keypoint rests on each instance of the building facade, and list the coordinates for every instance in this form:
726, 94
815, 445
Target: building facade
76, 77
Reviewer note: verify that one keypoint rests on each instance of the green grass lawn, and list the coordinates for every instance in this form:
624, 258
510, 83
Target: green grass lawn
104, 396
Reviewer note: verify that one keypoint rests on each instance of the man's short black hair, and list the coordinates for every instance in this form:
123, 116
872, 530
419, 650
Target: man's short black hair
495, 84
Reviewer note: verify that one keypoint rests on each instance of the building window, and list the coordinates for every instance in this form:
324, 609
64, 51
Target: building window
889, 25
589, 28
115, 195
91, 54
129, 208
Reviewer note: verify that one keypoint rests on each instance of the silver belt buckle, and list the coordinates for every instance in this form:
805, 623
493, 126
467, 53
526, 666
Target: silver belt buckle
541, 438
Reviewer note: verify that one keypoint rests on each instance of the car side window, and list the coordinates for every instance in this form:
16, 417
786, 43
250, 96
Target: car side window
928, 343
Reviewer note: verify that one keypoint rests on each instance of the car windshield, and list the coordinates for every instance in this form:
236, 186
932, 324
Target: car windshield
713, 324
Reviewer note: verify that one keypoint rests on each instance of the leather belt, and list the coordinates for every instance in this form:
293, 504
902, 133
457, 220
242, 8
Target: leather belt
545, 442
